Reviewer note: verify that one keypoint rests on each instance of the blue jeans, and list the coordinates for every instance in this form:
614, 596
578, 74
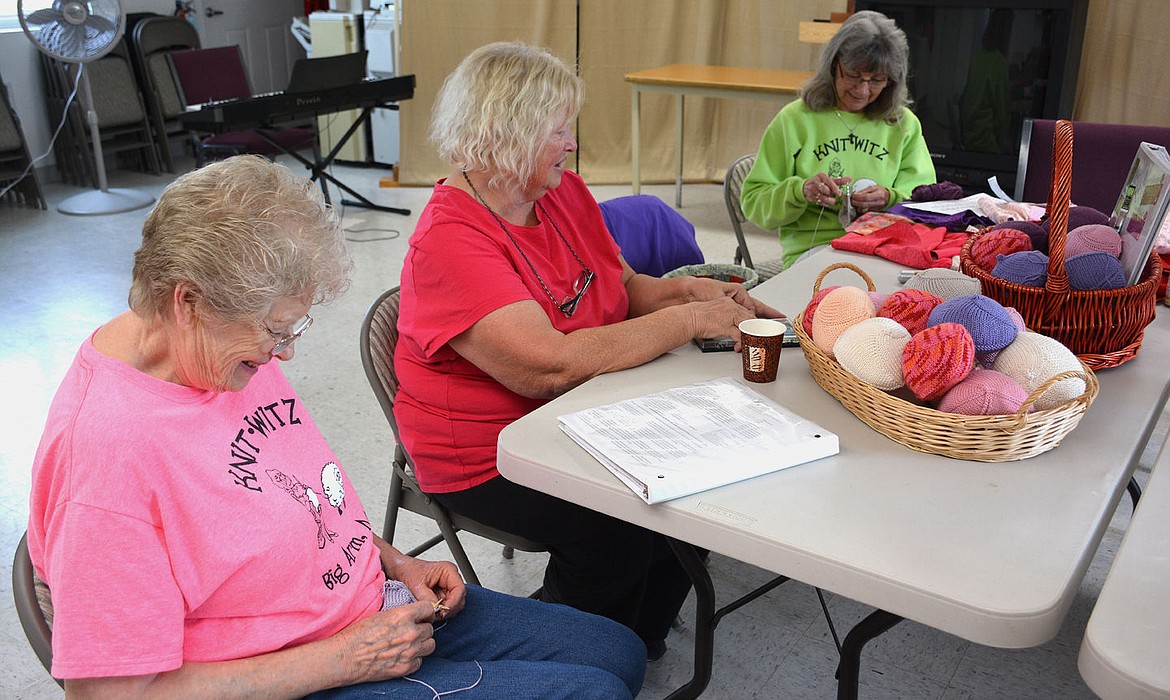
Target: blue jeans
526, 649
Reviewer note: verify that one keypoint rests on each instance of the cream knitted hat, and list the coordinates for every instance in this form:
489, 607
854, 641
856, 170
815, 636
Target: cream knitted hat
1033, 359
872, 351
944, 283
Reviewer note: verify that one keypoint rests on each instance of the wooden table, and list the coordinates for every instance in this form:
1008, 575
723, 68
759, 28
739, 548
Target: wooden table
680, 79
991, 552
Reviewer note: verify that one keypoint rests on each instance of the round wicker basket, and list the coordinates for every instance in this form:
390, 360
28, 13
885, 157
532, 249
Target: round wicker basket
997, 438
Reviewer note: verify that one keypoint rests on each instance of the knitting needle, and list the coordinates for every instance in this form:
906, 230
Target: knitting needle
440, 609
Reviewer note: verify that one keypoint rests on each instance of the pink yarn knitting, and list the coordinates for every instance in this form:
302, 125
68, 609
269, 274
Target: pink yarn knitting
1000, 241
936, 359
840, 309
809, 310
1092, 238
878, 299
910, 307
984, 393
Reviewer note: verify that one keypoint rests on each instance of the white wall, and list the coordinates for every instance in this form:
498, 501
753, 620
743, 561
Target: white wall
21, 71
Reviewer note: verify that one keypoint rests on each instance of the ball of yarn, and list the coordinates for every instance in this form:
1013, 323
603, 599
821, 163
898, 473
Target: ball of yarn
936, 191
944, 283
879, 299
1036, 232
1027, 267
810, 310
910, 307
1094, 271
840, 309
987, 321
984, 393
987, 248
872, 352
936, 359
1092, 238
1033, 359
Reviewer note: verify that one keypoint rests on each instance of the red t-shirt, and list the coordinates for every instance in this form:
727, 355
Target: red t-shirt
462, 266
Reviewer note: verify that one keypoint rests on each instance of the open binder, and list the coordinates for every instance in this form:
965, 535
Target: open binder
692, 438
1142, 207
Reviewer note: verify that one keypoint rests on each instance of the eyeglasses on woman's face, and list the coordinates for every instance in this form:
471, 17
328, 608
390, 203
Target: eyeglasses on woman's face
283, 341
852, 79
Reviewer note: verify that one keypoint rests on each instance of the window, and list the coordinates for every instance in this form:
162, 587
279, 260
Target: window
8, 19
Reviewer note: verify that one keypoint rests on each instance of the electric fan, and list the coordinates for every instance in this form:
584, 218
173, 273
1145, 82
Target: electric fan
79, 32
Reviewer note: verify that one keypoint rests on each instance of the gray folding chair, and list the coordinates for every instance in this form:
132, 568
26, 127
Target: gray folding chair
732, 186
379, 336
34, 607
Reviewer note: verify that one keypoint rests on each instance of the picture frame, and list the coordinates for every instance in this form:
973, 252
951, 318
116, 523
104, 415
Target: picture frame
1141, 208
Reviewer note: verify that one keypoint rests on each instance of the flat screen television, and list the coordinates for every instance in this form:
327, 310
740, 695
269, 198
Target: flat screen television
979, 68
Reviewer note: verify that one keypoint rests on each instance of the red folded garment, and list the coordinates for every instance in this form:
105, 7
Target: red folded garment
913, 245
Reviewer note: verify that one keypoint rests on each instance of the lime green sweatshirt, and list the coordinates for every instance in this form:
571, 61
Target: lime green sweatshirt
800, 143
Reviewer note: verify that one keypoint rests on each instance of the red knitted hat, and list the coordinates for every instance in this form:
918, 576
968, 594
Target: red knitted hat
937, 359
1002, 241
910, 307
812, 307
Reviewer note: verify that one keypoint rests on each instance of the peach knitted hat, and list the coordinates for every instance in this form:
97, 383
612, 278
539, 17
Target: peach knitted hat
840, 309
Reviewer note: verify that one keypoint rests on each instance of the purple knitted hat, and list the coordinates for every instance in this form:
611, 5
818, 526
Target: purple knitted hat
984, 393
1094, 271
936, 359
990, 325
1028, 267
910, 307
986, 249
1092, 238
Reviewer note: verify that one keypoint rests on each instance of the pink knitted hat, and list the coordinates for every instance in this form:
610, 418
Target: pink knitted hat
1092, 238
910, 307
936, 359
984, 393
1033, 359
872, 351
878, 299
1001, 241
840, 309
809, 310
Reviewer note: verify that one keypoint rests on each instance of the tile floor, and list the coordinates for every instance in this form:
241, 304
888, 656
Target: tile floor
61, 276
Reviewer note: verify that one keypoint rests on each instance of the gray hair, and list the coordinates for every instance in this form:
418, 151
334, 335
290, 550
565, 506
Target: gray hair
243, 232
500, 107
867, 42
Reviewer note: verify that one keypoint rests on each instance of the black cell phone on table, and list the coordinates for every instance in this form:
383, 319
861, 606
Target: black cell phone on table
725, 343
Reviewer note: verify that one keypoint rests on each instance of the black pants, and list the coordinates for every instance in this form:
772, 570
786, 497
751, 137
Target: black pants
597, 563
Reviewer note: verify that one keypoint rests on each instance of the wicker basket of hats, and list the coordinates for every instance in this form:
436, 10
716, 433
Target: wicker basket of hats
1103, 327
981, 438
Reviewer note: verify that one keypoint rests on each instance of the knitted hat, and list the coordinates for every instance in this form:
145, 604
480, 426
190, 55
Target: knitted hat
840, 309
1033, 359
872, 352
910, 307
1080, 216
1001, 241
1021, 324
1094, 271
936, 191
984, 393
812, 307
879, 299
1037, 233
944, 283
1092, 238
936, 359
1027, 267
989, 324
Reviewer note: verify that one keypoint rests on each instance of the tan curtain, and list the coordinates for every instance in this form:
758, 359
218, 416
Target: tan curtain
1124, 77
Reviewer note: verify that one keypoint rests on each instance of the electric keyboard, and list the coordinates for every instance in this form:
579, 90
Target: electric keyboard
282, 107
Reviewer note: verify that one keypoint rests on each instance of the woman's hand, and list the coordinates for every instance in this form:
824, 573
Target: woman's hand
706, 289
872, 198
389, 644
435, 582
822, 190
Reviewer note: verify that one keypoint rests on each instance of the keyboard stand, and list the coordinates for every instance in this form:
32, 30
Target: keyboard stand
318, 167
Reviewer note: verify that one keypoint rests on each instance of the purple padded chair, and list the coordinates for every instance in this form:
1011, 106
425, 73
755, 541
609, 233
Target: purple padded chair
654, 238
1102, 156
206, 75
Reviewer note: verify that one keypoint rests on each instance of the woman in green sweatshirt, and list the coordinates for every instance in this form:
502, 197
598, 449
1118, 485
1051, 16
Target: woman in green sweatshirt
850, 124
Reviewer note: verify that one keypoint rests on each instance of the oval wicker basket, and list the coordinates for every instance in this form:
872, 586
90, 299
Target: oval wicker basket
998, 438
1103, 327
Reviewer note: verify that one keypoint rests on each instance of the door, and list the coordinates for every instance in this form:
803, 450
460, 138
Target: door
262, 31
